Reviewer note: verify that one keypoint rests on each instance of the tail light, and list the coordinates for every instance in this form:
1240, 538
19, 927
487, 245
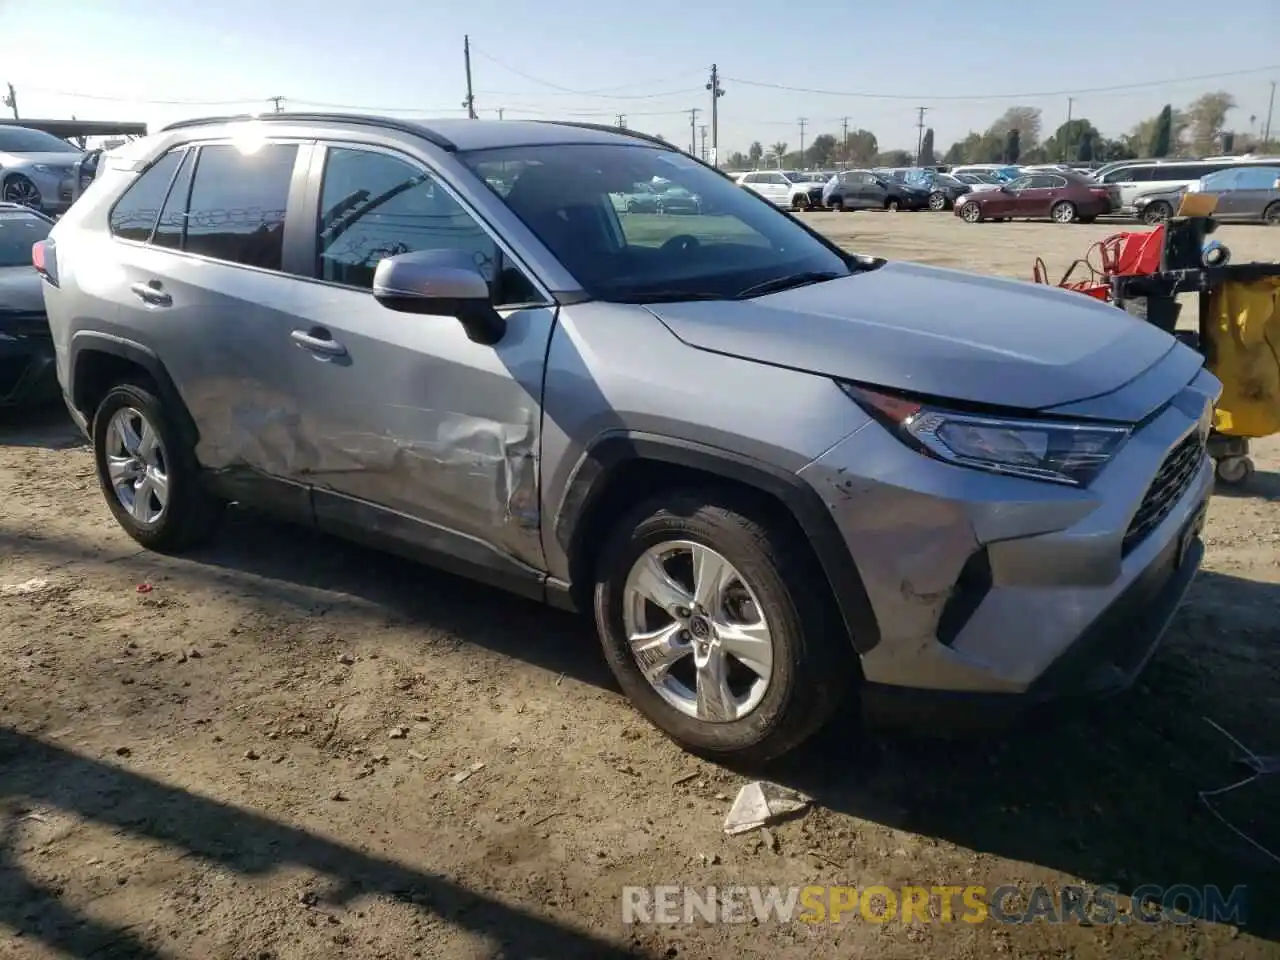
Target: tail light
44, 257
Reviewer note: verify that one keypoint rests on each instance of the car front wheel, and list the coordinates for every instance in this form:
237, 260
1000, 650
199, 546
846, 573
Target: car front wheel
149, 474
971, 213
715, 623
1063, 212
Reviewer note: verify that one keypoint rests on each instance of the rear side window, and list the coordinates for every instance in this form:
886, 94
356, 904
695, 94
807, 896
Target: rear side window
238, 203
1257, 178
136, 212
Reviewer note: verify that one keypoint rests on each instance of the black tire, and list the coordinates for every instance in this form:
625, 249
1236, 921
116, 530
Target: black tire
893, 204
1271, 215
1064, 211
20, 189
192, 515
799, 202
812, 655
1157, 212
971, 213
1086, 220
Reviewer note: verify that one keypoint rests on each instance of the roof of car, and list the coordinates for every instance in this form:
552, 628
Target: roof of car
456, 133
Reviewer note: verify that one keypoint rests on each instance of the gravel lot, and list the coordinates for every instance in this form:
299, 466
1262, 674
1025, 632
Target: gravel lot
251, 752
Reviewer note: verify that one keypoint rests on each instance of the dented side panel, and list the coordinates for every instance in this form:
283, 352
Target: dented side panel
421, 421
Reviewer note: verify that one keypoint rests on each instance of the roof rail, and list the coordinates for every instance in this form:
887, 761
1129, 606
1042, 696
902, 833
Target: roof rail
389, 123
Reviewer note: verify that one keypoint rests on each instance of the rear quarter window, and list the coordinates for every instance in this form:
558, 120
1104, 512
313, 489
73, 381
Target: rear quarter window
136, 212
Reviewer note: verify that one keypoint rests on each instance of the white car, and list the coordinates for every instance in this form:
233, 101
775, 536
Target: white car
1146, 176
793, 189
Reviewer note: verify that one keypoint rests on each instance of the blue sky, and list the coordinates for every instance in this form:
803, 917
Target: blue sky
649, 61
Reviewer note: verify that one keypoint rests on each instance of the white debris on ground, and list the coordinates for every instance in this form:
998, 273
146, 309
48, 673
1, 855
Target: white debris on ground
760, 803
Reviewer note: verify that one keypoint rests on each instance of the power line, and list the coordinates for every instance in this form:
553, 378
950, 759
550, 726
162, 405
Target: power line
598, 92
1003, 96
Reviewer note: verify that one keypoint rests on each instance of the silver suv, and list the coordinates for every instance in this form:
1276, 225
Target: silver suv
778, 474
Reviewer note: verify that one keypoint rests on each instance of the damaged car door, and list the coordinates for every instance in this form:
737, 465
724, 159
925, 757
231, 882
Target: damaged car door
419, 435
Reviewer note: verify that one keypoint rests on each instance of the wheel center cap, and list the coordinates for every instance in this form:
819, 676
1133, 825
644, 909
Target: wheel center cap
700, 627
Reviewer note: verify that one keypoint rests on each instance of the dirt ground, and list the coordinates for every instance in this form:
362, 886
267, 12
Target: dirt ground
253, 752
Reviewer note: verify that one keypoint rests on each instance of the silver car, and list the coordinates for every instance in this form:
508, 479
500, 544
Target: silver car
38, 170
776, 474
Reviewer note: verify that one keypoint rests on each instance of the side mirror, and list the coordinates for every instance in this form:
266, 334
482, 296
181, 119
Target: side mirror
440, 283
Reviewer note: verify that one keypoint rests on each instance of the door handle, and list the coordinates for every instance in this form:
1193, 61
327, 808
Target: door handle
318, 340
151, 293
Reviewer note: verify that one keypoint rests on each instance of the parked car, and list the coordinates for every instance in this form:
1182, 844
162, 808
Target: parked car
1004, 172
770, 469
675, 199
638, 198
945, 190
27, 373
978, 182
1145, 176
867, 190
38, 168
1061, 197
786, 188
1248, 194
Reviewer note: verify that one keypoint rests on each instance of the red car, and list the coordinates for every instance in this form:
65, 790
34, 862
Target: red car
1062, 197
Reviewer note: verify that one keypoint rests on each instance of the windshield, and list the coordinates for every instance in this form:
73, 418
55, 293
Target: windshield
18, 231
731, 241
33, 141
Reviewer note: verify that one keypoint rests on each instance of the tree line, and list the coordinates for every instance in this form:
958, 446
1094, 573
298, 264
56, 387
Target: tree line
1198, 129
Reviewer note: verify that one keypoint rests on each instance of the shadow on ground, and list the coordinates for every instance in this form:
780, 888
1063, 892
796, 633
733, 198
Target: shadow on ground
41, 774
45, 426
1108, 793
1263, 485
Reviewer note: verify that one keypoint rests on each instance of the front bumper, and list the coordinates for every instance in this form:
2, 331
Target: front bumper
28, 373
1002, 592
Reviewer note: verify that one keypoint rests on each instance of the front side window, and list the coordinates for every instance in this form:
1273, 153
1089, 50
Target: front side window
18, 231
135, 213
238, 202
373, 205
728, 243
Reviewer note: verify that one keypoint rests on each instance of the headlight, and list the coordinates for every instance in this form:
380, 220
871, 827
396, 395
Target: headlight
1056, 451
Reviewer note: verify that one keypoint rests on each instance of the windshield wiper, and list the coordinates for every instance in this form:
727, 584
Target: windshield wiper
786, 283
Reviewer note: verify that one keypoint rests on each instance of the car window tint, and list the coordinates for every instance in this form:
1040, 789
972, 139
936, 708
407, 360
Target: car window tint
374, 206
136, 212
238, 202
170, 229
1256, 178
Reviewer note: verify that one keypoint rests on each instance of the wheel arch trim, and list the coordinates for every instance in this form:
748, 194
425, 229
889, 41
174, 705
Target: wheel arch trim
88, 342
614, 450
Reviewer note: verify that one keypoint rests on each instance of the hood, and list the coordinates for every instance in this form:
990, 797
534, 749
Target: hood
934, 332
52, 159
21, 291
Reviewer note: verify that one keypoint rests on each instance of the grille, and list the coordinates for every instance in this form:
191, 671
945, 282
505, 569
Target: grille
1170, 483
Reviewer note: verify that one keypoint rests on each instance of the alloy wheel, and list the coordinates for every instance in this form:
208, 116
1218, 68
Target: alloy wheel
971, 213
697, 631
937, 201
23, 191
137, 465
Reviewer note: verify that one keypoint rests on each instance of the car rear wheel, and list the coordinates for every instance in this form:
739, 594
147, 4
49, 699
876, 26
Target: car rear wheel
716, 625
1271, 215
937, 201
893, 205
800, 202
971, 213
149, 473
19, 189
1063, 212
1157, 212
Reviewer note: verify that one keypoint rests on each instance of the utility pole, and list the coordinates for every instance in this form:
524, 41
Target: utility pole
704, 142
1071, 102
276, 103
470, 102
12, 101
1266, 135
920, 132
716, 93
501, 110
803, 122
844, 139
622, 121
693, 129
